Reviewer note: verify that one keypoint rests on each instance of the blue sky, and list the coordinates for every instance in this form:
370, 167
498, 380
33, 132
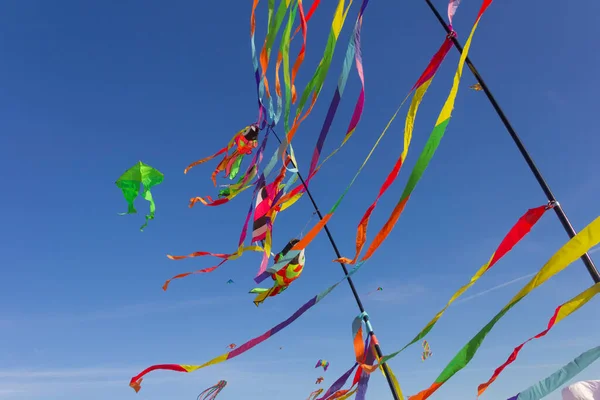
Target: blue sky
90, 88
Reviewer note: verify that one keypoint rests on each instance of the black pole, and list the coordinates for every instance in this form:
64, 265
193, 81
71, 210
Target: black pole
587, 260
350, 282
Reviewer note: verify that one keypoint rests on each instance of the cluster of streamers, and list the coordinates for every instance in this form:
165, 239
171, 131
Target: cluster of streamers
560, 377
365, 356
428, 75
571, 251
319, 380
426, 351
212, 392
423, 161
287, 268
322, 363
130, 184
582, 390
562, 312
420, 87
314, 394
477, 87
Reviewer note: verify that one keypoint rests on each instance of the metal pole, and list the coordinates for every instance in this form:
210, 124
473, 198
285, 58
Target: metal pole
350, 282
587, 260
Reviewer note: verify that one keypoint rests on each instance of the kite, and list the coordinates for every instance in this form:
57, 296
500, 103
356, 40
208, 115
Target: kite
242, 143
582, 390
567, 254
322, 363
230, 281
560, 313
212, 392
287, 268
376, 290
560, 377
232, 346
130, 181
477, 87
319, 380
426, 351
314, 394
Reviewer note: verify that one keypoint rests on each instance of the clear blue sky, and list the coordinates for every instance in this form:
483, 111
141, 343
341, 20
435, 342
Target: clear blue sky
89, 88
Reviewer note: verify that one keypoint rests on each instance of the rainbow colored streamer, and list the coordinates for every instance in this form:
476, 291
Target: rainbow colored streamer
571, 251
560, 313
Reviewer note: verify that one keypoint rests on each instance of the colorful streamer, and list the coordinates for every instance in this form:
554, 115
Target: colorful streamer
560, 313
430, 147
212, 392
421, 86
315, 394
452, 7
571, 251
560, 377
514, 236
130, 183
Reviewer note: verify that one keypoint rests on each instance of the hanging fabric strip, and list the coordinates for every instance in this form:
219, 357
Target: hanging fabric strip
452, 7
430, 147
430, 71
315, 394
560, 377
421, 88
514, 236
571, 251
560, 313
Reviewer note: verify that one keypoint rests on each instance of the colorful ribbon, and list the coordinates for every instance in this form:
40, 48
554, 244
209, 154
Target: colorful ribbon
514, 236
560, 377
571, 251
560, 313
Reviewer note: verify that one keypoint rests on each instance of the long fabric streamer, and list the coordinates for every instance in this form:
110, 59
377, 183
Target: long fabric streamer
560, 313
571, 251
560, 377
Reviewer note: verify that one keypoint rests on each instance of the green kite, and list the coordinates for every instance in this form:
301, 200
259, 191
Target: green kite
130, 183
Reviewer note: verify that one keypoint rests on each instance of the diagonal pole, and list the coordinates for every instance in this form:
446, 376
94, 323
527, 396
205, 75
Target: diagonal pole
560, 213
366, 319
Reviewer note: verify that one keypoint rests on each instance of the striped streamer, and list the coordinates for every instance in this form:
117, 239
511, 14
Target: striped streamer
571, 251
560, 313
560, 377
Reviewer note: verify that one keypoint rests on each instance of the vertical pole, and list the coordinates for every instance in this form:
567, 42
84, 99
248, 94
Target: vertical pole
370, 331
562, 217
